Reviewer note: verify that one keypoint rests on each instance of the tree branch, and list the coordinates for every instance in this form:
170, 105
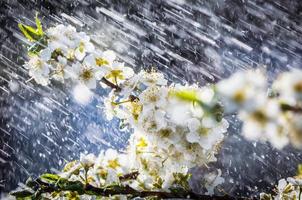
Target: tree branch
117, 88
81, 189
111, 85
287, 107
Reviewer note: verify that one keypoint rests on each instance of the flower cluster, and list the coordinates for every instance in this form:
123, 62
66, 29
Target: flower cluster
171, 133
268, 115
175, 128
290, 189
69, 54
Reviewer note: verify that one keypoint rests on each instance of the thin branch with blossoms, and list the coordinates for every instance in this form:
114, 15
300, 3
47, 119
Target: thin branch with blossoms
175, 127
77, 188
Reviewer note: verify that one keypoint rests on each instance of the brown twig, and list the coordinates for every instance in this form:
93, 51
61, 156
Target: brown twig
162, 195
287, 107
117, 88
81, 189
111, 85
130, 176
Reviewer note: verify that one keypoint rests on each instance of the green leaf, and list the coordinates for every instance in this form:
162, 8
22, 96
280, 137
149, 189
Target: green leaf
37, 46
186, 95
31, 33
25, 33
50, 178
39, 25
178, 190
24, 198
31, 183
64, 184
21, 193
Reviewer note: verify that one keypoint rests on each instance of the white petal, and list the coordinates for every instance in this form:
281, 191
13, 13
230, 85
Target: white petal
128, 72
89, 47
282, 184
192, 137
209, 122
89, 60
62, 60
111, 154
82, 94
193, 124
109, 56
91, 83
45, 54
99, 74
79, 55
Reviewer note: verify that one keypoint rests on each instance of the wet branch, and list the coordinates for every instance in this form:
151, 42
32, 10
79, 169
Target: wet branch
111, 85
117, 88
287, 107
76, 186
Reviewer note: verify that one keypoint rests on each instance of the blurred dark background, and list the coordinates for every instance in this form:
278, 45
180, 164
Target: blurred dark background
190, 41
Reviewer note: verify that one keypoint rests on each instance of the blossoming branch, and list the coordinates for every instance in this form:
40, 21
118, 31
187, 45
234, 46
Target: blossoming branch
175, 127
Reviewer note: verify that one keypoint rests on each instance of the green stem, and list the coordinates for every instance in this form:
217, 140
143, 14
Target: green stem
121, 102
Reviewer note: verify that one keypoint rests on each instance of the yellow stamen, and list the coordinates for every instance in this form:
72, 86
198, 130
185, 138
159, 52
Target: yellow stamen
115, 74
101, 61
203, 131
81, 47
298, 87
142, 143
239, 97
86, 74
113, 163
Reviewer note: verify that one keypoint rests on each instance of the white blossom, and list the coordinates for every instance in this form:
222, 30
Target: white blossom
289, 86
240, 90
39, 70
212, 180
87, 160
175, 127
83, 74
84, 46
265, 123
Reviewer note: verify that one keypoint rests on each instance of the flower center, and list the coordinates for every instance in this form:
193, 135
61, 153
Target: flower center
81, 47
70, 55
298, 87
101, 61
260, 116
87, 74
239, 97
202, 131
39, 64
113, 163
142, 143
115, 74
56, 53
136, 109
153, 98
165, 133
